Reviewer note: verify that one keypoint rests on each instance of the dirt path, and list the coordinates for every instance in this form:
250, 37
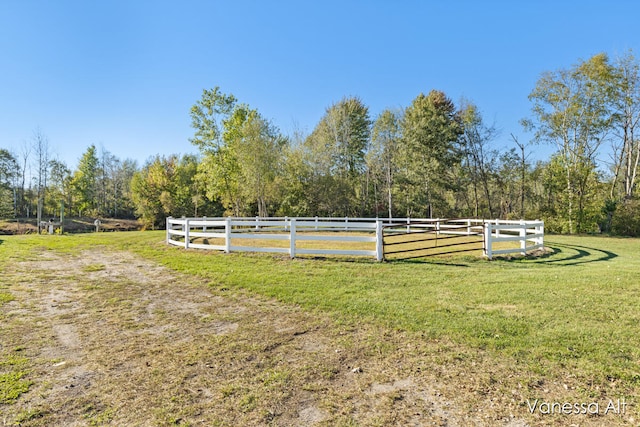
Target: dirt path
117, 340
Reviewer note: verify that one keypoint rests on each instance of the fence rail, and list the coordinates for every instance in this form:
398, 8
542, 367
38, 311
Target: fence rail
225, 232
433, 237
530, 234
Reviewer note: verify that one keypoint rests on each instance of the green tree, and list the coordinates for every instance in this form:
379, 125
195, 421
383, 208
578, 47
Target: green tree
383, 157
84, 182
59, 186
6, 199
258, 148
164, 187
294, 183
346, 128
9, 172
207, 117
121, 176
20, 180
336, 151
218, 174
147, 187
551, 197
508, 183
431, 129
626, 220
8, 167
571, 109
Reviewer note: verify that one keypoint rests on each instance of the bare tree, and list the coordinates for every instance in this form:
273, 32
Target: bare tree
21, 204
107, 165
477, 137
523, 172
626, 146
42, 154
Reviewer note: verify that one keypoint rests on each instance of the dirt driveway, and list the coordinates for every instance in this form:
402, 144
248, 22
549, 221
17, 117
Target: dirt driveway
114, 339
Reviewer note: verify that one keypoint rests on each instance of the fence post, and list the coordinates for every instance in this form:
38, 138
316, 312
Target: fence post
540, 231
487, 240
316, 223
523, 238
286, 219
379, 241
257, 226
227, 235
168, 228
292, 238
187, 229
408, 225
346, 223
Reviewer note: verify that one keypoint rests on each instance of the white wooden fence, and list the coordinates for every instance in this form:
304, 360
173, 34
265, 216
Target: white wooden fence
185, 231
530, 235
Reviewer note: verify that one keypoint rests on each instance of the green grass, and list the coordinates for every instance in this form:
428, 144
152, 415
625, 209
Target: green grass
93, 268
576, 310
5, 297
12, 385
12, 377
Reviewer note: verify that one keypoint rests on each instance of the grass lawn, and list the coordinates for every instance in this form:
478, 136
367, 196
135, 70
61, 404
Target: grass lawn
578, 308
571, 317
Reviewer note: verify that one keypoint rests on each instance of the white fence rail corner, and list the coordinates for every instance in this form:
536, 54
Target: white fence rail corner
530, 234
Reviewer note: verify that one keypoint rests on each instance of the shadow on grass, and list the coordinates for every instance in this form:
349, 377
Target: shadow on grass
338, 259
582, 255
426, 260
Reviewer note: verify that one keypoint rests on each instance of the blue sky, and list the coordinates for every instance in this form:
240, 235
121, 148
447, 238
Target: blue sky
123, 74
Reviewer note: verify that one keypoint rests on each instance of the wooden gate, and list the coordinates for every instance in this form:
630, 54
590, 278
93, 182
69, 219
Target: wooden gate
432, 237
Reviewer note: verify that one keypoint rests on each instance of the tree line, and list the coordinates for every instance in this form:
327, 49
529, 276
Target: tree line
34, 184
433, 158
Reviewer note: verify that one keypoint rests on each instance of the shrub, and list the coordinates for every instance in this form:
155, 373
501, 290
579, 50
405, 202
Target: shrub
626, 219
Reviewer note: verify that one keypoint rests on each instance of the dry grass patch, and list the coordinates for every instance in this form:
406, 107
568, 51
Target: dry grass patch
131, 343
